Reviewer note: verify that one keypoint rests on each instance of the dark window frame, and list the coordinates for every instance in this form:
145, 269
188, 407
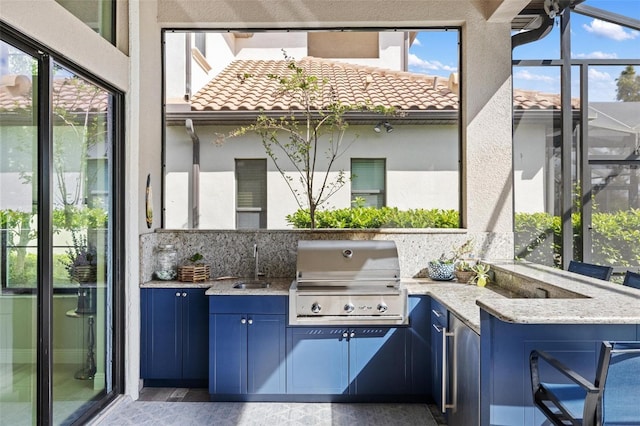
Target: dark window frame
566, 63
45, 58
383, 192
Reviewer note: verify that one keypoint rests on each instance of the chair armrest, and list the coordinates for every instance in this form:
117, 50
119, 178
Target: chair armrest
557, 365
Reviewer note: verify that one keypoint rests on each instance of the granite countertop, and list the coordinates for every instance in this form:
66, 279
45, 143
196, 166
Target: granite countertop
456, 297
224, 286
603, 302
600, 302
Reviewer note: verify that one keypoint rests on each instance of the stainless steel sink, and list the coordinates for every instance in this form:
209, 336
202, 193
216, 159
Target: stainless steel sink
251, 284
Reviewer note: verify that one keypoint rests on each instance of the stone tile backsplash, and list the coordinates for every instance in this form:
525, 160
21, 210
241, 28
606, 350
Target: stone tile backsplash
230, 252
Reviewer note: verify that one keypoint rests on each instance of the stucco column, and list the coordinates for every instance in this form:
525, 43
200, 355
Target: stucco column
486, 127
144, 156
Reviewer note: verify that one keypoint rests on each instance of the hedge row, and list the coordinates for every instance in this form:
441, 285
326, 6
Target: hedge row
538, 236
371, 217
615, 238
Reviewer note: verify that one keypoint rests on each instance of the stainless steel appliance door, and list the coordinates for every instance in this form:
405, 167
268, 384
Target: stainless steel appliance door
463, 375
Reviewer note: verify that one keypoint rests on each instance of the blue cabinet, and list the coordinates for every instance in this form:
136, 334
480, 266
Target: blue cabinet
348, 361
246, 345
174, 337
379, 361
421, 350
317, 360
504, 362
438, 321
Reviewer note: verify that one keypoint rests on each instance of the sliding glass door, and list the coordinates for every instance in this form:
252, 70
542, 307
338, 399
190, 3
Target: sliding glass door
18, 239
60, 342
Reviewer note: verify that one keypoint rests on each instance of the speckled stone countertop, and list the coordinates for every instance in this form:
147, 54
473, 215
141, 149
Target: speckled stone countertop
603, 302
456, 297
599, 302
224, 286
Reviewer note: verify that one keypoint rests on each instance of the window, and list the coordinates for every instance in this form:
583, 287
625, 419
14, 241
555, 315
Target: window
200, 42
99, 15
251, 195
578, 153
420, 145
368, 181
61, 220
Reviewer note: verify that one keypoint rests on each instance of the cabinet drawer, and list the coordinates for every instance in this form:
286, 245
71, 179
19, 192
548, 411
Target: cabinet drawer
244, 304
438, 314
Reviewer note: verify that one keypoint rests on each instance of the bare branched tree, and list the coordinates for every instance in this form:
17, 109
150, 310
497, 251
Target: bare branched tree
295, 141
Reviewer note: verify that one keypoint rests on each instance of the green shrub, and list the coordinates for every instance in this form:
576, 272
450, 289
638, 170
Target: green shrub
25, 275
615, 237
538, 236
372, 218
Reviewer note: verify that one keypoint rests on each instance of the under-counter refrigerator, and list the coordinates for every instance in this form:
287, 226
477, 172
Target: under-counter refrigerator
463, 374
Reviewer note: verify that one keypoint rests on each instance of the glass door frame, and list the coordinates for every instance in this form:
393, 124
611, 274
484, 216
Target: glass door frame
583, 176
45, 58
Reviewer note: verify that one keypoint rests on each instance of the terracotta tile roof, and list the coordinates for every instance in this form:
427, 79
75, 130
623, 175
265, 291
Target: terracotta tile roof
530, 100
244, 85
72, 95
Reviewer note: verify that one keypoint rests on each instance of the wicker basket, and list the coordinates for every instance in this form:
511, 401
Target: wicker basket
193, 273
85, 273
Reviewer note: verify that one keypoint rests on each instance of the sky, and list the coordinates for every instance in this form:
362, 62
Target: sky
436, 53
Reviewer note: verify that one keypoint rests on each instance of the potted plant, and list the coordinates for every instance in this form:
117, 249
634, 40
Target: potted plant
482, 274
82, 265
464, 270
443, 268
82, 260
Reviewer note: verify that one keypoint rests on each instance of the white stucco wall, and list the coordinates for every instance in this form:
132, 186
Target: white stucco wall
530, 171
421, 172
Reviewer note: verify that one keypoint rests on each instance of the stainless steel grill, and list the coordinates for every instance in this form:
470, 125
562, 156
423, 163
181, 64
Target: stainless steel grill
347, 282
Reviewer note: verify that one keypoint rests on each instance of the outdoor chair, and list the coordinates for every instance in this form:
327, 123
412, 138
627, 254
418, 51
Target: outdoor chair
632, 279
591, 270
612, 399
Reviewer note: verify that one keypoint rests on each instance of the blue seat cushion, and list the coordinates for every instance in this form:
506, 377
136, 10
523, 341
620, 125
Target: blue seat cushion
570, 395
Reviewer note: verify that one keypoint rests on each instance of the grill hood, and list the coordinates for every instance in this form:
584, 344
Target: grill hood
346, 261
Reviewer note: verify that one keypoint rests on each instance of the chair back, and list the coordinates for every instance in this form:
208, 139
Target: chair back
632, 279
621, 396
591, 270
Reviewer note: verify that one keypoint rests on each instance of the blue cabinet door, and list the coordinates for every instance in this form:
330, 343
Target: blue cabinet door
266, 372
247, 345
378, 361
228, 353
195, 334
504, 362
161, 345
317, 361
438, 327
421, 358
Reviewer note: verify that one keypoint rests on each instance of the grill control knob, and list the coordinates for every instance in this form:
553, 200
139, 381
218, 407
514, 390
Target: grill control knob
315, 308
348, 308
382, 307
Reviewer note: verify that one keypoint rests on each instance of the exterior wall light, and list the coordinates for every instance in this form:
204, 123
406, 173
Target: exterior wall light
378, 127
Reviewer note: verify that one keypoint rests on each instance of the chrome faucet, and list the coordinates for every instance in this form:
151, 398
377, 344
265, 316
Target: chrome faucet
255, 256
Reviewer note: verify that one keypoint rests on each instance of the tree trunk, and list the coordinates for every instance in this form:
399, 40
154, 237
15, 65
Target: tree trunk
312, 215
